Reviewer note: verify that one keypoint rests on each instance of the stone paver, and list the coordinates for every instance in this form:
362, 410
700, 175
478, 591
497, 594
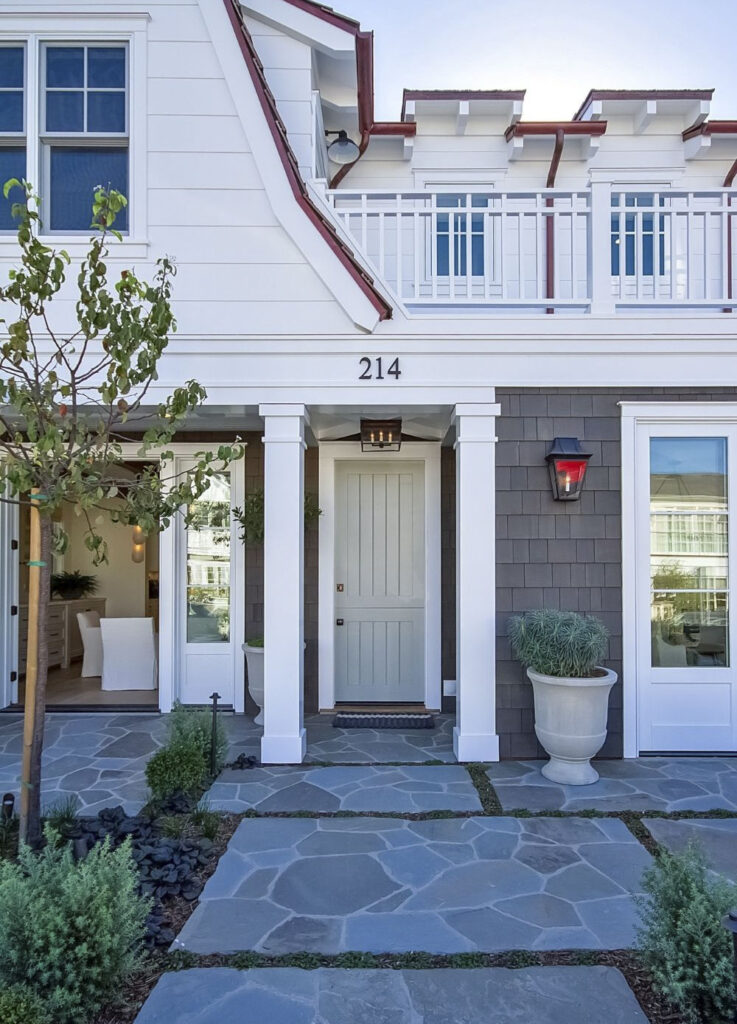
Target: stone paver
405, 789
546, 995
639, 784
378, 746
717, 837
441, 885
99, 759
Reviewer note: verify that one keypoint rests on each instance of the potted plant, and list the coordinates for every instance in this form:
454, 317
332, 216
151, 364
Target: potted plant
561, 652
250, 517
69, 586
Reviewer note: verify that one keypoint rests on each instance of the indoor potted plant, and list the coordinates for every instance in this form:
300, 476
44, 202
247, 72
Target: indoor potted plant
69, 586
561, 652
250, 517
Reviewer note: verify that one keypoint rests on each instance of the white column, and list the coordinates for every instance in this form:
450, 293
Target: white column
474, 736
600, 249
284, 446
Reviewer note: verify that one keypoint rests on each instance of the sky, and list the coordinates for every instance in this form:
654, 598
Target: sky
556, 49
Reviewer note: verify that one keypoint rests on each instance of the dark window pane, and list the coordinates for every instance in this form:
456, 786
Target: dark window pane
448, 200
105, 111
688, 473
11, 111
443, 258
106, 67
12, 165
615, 244
647, 254
75, 173
64, 67
477, 255
629, 250
64, 112
11, 67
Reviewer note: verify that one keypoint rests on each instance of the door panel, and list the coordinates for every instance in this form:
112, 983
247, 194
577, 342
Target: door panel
687, 683
380, 581
9, 598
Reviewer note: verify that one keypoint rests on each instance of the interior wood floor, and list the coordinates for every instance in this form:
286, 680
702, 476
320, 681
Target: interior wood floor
66, 686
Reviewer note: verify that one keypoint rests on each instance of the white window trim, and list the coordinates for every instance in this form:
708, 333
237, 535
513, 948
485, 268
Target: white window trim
634, 416
39, 26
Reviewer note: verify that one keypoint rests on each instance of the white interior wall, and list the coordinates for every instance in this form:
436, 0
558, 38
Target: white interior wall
121, 580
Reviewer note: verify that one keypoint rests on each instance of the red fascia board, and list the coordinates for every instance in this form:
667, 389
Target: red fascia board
551, 128
460, 94
711, 128
289, 162
641, 94
327, 14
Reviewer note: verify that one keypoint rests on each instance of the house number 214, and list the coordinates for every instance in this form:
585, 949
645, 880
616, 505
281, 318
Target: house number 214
373, 369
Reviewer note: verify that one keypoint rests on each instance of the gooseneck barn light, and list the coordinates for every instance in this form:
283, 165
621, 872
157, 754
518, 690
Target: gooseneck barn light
567, 464
342, 150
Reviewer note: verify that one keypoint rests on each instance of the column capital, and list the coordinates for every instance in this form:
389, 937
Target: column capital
476, 409
284, 410
475, 423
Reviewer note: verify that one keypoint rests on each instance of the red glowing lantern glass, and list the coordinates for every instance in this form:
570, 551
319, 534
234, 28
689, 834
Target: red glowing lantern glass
567, 464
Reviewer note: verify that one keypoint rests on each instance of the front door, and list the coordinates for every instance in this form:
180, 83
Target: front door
686, 536
380, 582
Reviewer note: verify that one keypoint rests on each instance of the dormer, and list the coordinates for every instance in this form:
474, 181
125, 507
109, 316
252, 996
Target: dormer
635, 111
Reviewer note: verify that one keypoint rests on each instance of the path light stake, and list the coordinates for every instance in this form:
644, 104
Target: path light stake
730, 923
8, 807
214, 697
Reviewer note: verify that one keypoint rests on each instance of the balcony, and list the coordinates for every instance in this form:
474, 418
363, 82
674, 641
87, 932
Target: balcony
591, 250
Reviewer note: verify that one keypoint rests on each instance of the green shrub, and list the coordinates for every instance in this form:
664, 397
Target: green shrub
195, 725
179, 766
71, 931
681, 938
558, 643
18, 1005
205, 819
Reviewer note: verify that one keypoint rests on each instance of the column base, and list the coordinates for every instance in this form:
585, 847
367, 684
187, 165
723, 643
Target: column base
475, 746
284, 749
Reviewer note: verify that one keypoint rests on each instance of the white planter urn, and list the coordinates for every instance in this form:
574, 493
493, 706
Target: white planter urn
570, 722
255, 663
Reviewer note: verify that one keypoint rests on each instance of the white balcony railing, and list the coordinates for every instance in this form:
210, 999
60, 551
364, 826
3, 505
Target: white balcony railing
547, 249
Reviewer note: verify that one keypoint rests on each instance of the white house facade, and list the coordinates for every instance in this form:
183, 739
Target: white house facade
474, 285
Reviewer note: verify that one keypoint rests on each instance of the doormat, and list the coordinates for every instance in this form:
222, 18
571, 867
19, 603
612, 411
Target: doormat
367, 720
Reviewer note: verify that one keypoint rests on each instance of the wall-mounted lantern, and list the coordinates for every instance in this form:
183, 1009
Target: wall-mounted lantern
567, 464
381, 435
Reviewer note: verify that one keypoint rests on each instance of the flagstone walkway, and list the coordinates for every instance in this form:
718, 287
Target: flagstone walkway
639, 784
404, 788
447, 885
543, 995
717, 838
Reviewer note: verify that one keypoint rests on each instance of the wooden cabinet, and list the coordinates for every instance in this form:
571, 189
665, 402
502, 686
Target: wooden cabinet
65, 641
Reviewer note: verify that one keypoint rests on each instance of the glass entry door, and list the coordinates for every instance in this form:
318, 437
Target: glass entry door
686, 680
210, 586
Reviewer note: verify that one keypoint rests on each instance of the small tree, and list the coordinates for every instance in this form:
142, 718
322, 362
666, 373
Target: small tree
68, 402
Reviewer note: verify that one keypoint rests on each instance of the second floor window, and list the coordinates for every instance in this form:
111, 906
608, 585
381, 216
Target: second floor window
84, 131
637, 216
452, 242
12, 125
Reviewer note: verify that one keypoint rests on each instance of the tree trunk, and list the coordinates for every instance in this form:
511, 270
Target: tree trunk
36, 676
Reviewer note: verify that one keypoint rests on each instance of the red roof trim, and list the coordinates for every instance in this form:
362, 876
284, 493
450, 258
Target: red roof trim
711, 128
642, 94
460, 94
581, 128
325, 13
289, 162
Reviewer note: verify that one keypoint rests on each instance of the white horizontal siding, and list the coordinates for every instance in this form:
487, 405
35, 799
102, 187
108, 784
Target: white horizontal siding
210, 207
202, 170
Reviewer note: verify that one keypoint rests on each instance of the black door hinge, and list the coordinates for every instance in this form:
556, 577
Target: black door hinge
13, 677
14, 609
14, 545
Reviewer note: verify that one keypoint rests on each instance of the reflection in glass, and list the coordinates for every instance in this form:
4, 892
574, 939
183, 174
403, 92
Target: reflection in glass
208, 566
689, 566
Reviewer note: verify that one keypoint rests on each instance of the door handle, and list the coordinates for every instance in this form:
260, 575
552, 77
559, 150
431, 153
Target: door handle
339, 622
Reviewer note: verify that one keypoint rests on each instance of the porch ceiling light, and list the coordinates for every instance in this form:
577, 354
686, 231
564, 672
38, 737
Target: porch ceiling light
381, 435
343, 150
567, 464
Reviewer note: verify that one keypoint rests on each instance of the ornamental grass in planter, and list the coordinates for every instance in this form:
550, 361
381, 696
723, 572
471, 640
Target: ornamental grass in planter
562, 652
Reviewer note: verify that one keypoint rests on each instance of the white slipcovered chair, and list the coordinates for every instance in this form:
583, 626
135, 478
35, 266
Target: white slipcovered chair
670, 655
89, 630
128, 654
